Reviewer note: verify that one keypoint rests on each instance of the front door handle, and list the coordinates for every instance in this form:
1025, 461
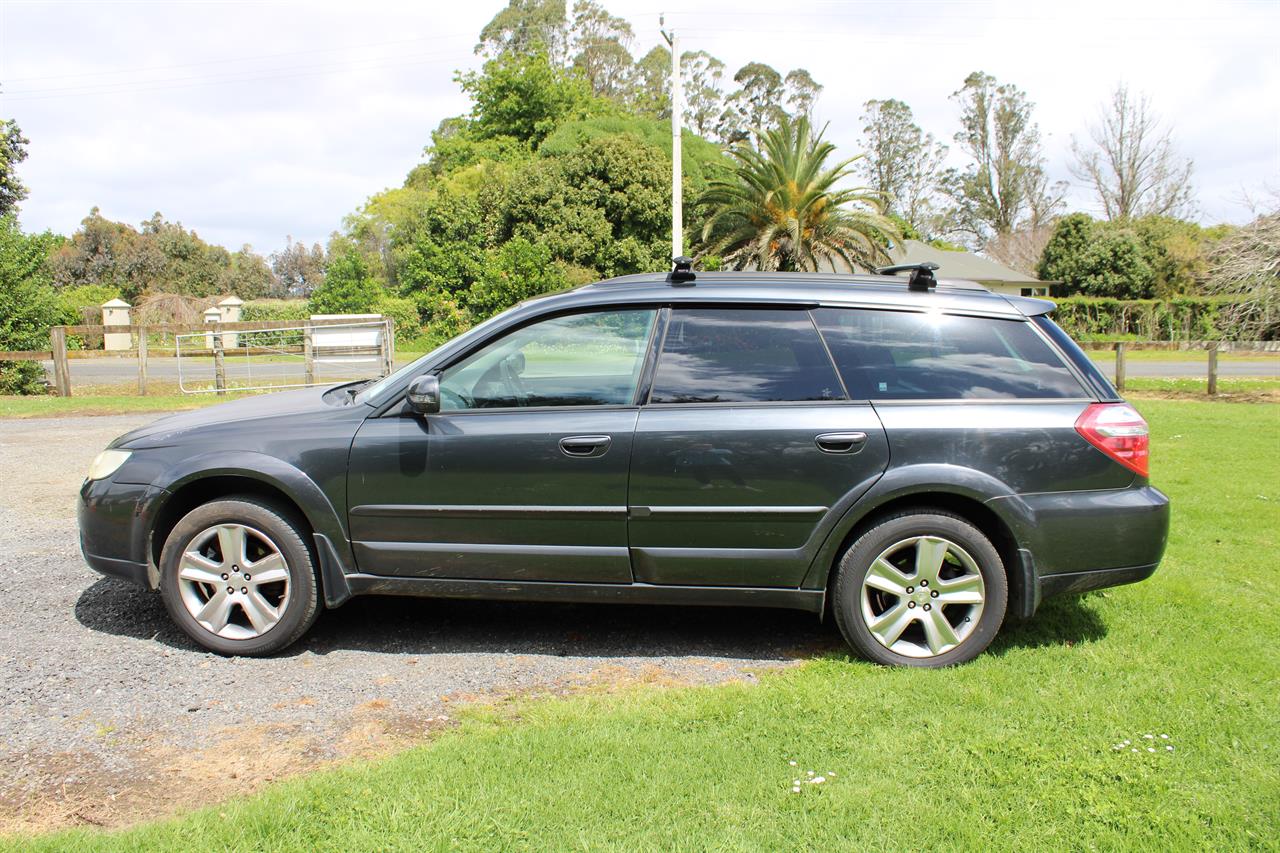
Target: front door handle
841, 442
585, 446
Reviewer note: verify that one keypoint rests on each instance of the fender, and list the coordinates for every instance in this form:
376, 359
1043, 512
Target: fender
921, 480
301, 489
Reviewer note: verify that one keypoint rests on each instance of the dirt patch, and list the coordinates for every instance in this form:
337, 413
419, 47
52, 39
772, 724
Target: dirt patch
147, 777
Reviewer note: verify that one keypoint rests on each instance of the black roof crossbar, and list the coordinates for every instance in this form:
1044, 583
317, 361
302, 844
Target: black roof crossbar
921, 274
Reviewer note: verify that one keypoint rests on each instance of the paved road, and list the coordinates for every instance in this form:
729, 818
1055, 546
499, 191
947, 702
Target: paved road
1198, 369
107, 371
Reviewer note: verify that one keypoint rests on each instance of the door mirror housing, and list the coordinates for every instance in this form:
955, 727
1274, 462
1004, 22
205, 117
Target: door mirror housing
424, 395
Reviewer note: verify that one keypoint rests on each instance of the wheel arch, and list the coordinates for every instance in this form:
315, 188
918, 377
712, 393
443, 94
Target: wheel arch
959, 491
263, 477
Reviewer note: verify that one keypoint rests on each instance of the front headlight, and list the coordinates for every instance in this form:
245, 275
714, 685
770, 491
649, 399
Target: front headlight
107, 463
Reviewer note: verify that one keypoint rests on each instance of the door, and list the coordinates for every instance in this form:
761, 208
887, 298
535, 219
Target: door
522, 475
747, 451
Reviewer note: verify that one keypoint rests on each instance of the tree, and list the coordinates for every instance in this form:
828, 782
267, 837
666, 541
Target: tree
1155, 256
13, 150
1245, 265
28, 304
902, 163
601, 50
756, 106
604, 205
248, 276
347, 288
522, 96
781, 209
1005, 178
651, 84
700, 76
1130, 162
527, 26
800, 93
299, 269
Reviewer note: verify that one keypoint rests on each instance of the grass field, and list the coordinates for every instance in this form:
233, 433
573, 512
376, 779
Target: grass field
1014, 751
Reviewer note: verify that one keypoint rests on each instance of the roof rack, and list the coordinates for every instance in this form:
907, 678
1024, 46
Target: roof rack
682, 275
922, 277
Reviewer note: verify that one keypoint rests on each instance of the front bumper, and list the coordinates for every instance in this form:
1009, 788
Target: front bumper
115, 520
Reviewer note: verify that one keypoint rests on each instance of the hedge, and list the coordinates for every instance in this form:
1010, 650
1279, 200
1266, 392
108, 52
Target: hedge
1182, 318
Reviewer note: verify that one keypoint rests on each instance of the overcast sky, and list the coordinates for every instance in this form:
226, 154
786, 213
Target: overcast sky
250, 121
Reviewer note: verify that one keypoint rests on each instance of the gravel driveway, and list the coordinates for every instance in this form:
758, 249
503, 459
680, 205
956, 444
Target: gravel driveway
110, 715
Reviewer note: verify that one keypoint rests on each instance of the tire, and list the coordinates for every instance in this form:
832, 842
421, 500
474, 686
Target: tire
241, 614
893, 608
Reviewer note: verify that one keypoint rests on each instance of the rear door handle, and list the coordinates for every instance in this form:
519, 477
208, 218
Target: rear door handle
585, 446
841, 442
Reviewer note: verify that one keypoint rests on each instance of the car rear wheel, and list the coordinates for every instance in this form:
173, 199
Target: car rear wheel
921, 588
238, 578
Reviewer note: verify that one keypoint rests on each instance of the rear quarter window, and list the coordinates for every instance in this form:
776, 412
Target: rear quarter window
899, 355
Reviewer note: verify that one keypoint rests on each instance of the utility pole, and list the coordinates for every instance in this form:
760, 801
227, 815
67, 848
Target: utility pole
677, 123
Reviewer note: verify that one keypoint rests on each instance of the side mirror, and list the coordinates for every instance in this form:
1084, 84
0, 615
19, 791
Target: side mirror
424, 395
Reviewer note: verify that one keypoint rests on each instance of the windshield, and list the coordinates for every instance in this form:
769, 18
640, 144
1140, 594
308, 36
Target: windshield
376, 393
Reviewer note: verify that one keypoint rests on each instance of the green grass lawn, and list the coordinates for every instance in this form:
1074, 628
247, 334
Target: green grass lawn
1014, 751
1108, 356
104, 404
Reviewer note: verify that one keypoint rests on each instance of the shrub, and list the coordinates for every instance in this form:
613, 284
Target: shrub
403, 312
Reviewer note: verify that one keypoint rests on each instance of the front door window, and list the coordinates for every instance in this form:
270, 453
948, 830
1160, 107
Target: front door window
590, 359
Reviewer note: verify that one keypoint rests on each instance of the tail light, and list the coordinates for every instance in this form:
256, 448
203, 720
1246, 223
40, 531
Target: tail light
1118, 431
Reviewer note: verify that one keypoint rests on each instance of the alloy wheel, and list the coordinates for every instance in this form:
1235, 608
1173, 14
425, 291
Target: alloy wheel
234, 581
923, 596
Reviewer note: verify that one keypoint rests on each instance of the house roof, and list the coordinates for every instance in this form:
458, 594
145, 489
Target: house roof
958, 264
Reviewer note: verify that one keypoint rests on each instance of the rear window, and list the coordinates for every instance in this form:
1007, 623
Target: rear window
743, 355
896, 355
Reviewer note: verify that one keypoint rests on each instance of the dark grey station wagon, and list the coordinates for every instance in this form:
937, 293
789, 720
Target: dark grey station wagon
919, 458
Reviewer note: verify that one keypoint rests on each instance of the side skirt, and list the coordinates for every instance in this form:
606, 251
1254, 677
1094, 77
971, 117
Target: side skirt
635, 593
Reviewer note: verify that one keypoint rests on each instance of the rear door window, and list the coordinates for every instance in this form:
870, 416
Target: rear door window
899, 355
743, 355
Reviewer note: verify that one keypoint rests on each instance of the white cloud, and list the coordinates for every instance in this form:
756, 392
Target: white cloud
251, 121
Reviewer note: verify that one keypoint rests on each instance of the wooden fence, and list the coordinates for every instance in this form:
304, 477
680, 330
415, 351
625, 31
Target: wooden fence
58, 350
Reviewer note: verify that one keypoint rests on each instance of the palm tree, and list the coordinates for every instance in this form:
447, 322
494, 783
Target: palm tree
779, 209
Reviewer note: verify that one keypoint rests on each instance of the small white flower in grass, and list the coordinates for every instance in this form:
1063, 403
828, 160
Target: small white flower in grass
1126, 743
792, 763
1151, 749
831, 773
795, 789
1149, 737
808, 772
1164, 737
1169, 748
1133, 749
818, 780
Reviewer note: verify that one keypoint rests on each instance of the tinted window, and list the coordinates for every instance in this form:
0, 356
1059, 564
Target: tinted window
576, 360
895, 355
741, 355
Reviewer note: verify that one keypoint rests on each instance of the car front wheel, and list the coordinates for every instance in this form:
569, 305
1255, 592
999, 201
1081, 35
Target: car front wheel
921, 588
238, 578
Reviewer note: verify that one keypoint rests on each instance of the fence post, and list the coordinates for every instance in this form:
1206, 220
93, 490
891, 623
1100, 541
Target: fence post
1213, 368
308, 354
389, 346
142, 361
61, 371
219, 366
1120, 366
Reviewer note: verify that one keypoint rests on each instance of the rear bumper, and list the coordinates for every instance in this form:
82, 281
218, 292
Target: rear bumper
1072, 542
1074, 582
